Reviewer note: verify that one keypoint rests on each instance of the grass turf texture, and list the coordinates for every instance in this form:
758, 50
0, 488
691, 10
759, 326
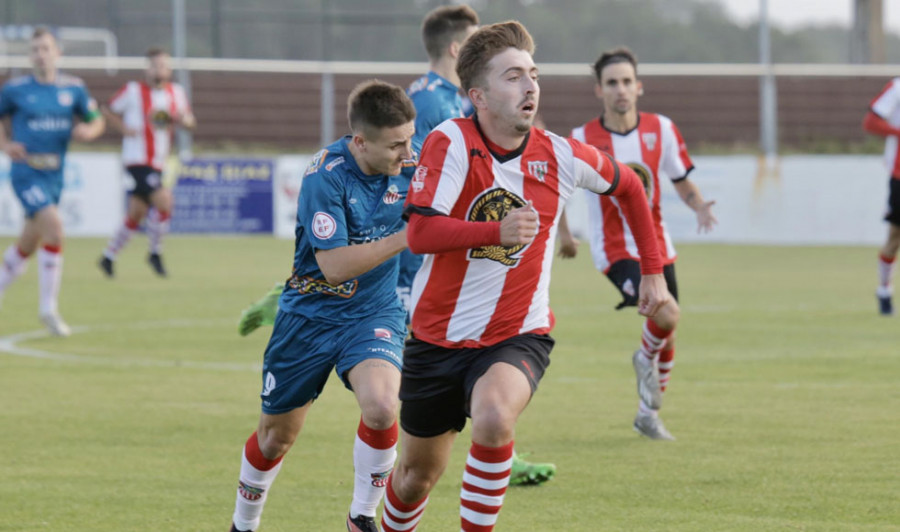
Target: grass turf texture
783, 399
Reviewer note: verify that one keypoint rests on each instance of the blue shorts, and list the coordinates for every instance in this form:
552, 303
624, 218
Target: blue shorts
37, 192
302, 352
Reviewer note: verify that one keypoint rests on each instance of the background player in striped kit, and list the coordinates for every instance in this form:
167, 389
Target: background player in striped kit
43, 108
146, 113
652, 145
883, 119
483, 206
340, 309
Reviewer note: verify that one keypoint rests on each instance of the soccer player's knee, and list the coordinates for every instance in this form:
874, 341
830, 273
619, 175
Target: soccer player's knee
414, 484
494, 426
381, 413
668, 315
275, 443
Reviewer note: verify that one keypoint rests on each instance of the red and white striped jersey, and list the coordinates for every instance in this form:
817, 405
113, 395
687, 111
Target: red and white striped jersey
887, 106
652, 149
150, 112
479, 297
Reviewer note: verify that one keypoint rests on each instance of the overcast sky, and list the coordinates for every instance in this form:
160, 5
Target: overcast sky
793, 13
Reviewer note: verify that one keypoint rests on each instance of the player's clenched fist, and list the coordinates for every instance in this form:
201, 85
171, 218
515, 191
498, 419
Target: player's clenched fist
519, 226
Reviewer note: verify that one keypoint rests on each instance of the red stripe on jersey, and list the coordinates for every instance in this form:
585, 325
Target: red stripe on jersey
613, 227
650, 140
425, 181
118, 94
146, 104
522, 281
889, 86
682, 149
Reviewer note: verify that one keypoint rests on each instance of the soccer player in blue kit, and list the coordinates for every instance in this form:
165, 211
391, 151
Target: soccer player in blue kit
43, 108
339, 309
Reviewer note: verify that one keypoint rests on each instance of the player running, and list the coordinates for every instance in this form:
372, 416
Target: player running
652, 146
340, 309
47, 109
146, 114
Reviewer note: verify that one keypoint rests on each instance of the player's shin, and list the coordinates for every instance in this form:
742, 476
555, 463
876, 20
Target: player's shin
49, 278
257, 475
484, 486
374, 453
14, 264
399, 516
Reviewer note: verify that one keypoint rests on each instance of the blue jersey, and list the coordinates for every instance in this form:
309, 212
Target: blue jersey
43, 115
338, 206
436, 100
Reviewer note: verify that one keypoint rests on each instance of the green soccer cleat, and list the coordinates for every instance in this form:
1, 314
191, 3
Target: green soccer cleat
260, 313
525, 473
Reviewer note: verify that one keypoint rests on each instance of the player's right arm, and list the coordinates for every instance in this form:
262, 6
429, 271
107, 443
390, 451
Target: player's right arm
433, 191
118, 104
15, 150
322, 212
882, 107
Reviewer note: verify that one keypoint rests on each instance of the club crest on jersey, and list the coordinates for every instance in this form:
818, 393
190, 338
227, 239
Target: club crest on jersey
418, 180
538, 169
392, 195
65, 98
316, 162
649, 140
307, 285
646, 177
492, 206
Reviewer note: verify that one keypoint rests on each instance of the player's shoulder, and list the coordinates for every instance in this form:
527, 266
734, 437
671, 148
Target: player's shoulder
16, 82
328, 164
68, 80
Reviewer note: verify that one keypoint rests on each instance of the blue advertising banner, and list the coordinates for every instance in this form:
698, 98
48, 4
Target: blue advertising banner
215, 195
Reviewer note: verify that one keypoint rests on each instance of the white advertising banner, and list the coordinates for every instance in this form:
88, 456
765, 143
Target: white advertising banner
92, 202
288, 175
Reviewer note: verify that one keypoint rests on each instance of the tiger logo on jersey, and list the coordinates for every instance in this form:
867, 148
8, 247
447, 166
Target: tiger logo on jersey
161, 119
493, 206
646, 177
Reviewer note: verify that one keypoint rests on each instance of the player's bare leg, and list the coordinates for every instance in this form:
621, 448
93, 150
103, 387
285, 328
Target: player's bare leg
422, 462
376, 384
45, 229
886, 264
260, 463
15, 258
136, 212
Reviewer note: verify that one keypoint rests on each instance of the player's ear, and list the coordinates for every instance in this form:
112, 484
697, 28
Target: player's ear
640, 87
476, 96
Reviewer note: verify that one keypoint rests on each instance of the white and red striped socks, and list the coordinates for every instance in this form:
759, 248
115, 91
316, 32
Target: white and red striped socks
374, 452
885, 275
120, 239
49, 259
666, 363
653, 338
399, 516
157, 227
14, 264
257, 475
484, 486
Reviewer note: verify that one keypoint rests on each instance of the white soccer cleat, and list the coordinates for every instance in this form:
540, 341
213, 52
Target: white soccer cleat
647, 373
651, 426
55, 324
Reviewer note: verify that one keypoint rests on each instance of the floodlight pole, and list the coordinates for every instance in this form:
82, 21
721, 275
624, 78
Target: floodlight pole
182, 74
768, 97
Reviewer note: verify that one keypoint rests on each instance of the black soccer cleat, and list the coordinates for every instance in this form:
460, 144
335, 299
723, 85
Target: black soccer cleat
885, 306
235, 529
106, 265
361, 523
155, 261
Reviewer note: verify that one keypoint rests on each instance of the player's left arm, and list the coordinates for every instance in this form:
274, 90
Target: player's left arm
676, 163
92, 122
184, 116
691, 196
341, 264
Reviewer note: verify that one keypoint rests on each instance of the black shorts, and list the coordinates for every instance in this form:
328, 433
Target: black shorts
147, 180
626, 276
893, 212
436, 382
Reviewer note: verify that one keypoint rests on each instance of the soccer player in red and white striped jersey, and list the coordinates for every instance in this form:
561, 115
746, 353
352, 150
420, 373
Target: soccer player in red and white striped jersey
146, 113
652, 145
883, 119
483, 207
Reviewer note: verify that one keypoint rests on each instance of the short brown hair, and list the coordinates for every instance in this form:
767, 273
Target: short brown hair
155, 51
622, 54
444, 25
484, 44
40, 31
376, 104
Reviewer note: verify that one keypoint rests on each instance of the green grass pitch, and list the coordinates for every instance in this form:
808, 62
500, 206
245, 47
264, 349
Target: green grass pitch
784, 400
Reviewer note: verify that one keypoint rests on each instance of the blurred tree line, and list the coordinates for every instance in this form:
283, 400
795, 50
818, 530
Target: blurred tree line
683, 31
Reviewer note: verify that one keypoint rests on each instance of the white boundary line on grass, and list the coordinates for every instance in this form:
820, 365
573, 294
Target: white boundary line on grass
10, 345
